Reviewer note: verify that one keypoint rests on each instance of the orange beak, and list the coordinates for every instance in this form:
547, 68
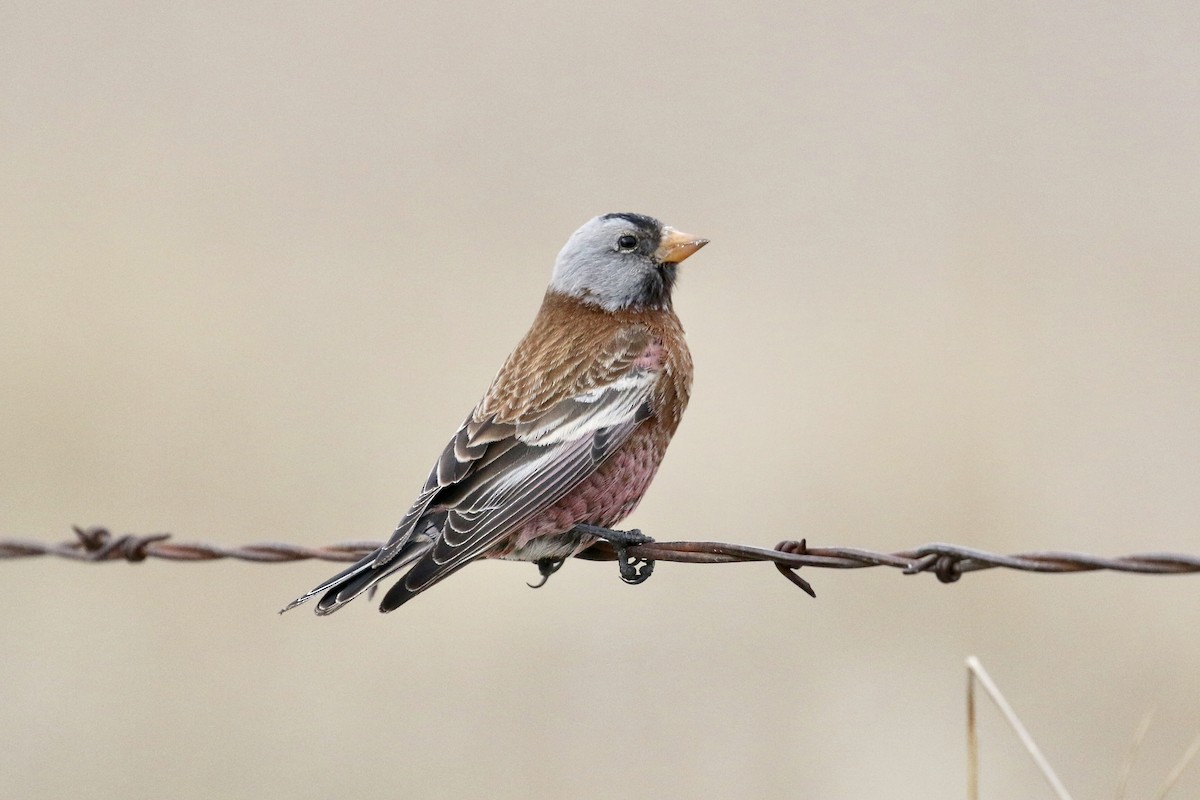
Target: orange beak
676, 246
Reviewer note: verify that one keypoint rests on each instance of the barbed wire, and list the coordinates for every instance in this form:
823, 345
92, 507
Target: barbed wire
947, 562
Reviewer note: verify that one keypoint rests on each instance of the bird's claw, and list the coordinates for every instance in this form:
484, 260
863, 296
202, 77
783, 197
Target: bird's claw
633, 569
546, 568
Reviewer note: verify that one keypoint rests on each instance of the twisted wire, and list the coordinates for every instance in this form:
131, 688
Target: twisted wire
947, 562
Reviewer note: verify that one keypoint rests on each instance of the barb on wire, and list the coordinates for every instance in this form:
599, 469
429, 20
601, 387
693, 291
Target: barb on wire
946, 561
97, 544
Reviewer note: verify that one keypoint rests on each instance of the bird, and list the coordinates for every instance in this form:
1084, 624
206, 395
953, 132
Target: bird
569, 434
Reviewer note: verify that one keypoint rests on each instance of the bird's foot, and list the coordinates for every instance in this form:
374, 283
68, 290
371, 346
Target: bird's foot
546, 568
633, 570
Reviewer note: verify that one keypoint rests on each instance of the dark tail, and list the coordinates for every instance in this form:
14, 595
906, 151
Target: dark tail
358, 578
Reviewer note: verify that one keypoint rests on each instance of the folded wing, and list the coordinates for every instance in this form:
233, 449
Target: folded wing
523, 449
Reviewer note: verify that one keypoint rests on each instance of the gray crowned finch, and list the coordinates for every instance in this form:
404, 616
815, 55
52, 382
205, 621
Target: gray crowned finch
570, 433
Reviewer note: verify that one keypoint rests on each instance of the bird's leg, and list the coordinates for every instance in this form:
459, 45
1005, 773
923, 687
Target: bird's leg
633, 570
546, 568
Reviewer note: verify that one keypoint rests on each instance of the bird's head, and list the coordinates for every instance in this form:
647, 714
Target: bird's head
621, 261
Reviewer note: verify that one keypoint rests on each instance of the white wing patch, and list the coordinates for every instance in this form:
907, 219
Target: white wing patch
591, 411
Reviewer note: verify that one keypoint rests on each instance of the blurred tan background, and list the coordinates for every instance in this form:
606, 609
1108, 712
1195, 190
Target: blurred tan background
257, 261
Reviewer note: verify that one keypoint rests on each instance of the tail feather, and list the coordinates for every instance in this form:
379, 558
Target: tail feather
401, 592
358, 578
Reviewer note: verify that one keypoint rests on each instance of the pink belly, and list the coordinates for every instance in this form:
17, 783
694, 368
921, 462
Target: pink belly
604, 499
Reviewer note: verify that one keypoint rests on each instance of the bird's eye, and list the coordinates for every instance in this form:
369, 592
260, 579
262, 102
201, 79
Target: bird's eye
627, 242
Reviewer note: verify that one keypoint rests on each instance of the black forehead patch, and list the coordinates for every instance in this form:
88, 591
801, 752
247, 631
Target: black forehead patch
640, 221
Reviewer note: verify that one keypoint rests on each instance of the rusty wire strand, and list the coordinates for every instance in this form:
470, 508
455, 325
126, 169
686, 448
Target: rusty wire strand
946, 561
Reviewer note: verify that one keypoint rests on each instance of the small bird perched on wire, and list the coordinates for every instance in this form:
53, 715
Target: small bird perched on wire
568, 437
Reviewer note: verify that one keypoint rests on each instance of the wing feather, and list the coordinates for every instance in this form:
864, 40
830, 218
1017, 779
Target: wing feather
510, 478
552, 416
